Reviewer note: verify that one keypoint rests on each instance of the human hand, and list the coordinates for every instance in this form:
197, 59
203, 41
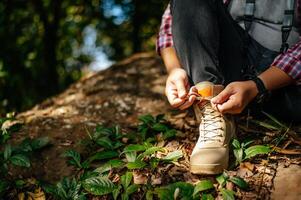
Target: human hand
235, 97
177, 89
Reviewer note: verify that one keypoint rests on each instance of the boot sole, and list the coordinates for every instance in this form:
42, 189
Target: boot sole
213, 168
209, 169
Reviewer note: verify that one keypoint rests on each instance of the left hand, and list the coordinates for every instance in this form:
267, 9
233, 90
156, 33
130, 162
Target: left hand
235, 97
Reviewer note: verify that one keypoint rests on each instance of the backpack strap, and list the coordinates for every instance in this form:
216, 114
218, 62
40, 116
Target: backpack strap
287, 24
249, 14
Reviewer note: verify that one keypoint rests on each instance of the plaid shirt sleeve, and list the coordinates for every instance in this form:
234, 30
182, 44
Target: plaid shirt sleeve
164, 38
290, 62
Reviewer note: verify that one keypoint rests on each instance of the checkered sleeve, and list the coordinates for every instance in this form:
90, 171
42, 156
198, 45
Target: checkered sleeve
164, 38
290, 62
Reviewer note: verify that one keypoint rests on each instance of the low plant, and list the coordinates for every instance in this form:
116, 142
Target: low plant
243, 151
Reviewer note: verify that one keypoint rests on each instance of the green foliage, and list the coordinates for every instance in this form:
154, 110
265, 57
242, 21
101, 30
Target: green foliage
150, 126
173, 156
227, 194
120, 159
67, 189
242, 151
128, 189
98, 185
223, 179
256, 150
108, 138
19, 155
202, 186
75, 158
179, 190
20, 160
5, 133
239, 182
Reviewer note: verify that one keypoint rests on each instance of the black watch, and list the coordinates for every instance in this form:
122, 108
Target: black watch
263, 93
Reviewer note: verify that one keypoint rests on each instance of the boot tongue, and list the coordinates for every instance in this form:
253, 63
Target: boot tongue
208, 90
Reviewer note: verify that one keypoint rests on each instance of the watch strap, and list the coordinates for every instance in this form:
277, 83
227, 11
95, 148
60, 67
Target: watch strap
262, 91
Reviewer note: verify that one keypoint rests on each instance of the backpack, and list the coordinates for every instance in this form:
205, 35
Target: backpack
269, 22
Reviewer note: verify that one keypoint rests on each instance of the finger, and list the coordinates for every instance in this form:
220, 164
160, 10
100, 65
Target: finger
188, 103
223, 96
174, 100
230, 107
172, 97
181, 88
193, 91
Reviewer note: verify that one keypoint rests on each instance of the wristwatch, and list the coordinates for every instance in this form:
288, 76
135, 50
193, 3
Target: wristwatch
263, 93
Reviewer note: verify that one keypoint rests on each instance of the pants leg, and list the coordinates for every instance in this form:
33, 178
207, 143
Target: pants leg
209, 44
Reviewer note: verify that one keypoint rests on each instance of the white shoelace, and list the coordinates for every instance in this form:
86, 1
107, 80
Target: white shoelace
211, 130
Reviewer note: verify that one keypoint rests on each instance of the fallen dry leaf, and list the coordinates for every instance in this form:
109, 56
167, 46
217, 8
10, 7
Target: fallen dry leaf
139, 178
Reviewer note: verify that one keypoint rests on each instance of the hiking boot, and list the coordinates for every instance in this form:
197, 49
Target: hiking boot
211, 152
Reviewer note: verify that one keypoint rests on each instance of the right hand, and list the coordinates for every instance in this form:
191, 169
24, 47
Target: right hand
177, 89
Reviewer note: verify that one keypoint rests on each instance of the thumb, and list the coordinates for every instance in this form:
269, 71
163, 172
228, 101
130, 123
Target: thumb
222, 97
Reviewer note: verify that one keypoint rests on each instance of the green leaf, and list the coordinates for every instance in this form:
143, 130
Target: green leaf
138, 164
103, 155
207, 197
222, 179
256, 150
236, 144
149, 151
239, 182
20, 160
238, 153
246, 143
105, 142
167, 192
3, 186
39, 143
131, 189
227, 194
99, 185
25, 146
154, 162
173, 156
203, 186
7, 151
116, 192
75, 156
126, 179
134, 147
131, 156
160, 117
169, 134
147, 119
20, 183
149, 195
160, 127
109, 165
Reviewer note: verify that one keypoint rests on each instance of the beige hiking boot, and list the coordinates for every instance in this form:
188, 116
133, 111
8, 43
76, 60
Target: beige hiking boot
211, 152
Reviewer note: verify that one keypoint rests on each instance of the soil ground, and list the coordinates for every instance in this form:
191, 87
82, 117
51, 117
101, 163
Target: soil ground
119, 95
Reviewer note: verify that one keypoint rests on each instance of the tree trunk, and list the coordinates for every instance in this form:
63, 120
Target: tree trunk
137, 23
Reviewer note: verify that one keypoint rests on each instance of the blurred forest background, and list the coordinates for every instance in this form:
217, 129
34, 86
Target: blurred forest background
46, 44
